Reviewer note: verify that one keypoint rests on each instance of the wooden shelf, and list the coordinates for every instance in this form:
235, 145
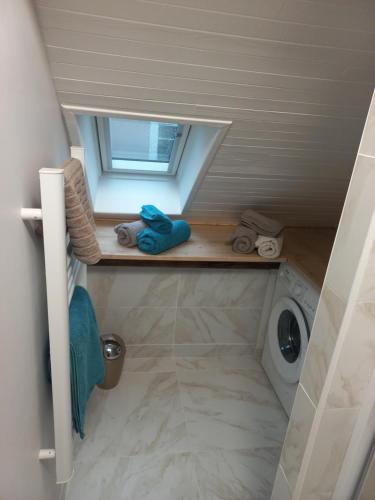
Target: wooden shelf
208, 243
308, 249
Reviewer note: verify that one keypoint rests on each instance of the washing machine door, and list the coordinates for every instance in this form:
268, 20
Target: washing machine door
288, 336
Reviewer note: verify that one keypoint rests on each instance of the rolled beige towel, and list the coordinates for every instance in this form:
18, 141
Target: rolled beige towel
269, 247
127, 232
243, 239
260, 223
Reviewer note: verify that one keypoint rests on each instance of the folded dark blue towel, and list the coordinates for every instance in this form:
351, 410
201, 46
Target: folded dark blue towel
155, 219
150, 241
86, 359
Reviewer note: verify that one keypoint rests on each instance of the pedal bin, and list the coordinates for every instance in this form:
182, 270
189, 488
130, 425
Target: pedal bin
114, 353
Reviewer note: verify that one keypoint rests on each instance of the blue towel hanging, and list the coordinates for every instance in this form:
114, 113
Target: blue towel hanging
86, 359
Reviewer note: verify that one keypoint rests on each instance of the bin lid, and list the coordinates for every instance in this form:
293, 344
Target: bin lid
111, 349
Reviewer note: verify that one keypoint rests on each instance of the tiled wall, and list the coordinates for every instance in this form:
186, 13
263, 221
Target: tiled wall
187, 312
340, 359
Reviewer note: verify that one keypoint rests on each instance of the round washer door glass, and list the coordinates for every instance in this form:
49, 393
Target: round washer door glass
289, 336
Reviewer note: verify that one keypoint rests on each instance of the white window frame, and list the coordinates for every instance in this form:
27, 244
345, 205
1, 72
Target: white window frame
104, 142
113, 194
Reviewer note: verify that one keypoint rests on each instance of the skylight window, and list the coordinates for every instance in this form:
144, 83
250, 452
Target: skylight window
140, 146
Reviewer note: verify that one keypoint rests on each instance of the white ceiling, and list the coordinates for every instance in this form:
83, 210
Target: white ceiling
295, 76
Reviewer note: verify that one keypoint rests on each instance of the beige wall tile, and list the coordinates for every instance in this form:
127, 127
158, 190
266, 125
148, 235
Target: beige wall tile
357, 360
217, 350
139, 325
296, 437
351, 234
323, 338
367, 289
131, 286
149, 351
223, 288
328, 452
367, 146
368, 487
281, 490
214, 325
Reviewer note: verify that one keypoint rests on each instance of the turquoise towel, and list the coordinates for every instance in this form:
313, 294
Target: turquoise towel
150, 241
86, 359
155, 219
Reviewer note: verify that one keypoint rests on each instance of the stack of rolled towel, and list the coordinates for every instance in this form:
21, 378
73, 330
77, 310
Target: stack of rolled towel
256, 231
154, 233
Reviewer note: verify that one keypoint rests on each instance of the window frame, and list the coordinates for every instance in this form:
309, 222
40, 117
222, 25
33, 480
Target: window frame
104, 143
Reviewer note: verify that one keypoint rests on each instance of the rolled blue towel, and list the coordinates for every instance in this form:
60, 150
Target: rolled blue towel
155, 219
149, 241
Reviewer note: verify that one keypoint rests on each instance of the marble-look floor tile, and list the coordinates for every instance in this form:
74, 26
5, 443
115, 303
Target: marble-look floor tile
223, 350
142, 415
171, 477
97, 479
197, 363
195, 350
236, 475
216, 325
239, 362
138, 325
231, 409
218, 363
213, 350
150, 364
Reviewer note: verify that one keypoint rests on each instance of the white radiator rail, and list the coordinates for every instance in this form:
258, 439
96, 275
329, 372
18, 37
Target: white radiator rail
63, 272
55, 254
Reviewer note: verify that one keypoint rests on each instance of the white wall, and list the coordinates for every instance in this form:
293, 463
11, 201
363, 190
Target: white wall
32, 136
294, 76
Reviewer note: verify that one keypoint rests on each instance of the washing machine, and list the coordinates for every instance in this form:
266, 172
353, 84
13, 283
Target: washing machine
292, 314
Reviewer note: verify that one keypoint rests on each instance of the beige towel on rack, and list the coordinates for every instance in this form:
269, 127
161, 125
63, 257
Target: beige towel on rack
79, 217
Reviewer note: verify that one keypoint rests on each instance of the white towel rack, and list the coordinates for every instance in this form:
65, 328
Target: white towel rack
63, 272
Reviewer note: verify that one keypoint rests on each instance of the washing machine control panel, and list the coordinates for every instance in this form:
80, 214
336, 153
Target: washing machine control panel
310, 301
298, 289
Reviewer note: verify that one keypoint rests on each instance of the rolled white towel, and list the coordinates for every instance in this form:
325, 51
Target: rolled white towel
269, 247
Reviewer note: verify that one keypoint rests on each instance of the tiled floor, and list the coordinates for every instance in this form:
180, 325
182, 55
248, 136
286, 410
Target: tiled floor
182, 429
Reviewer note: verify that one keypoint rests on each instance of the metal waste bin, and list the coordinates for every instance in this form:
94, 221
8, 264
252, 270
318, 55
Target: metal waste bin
114, 353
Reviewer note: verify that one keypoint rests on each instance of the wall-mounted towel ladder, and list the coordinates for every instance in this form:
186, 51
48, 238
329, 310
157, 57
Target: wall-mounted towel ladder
63, 272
